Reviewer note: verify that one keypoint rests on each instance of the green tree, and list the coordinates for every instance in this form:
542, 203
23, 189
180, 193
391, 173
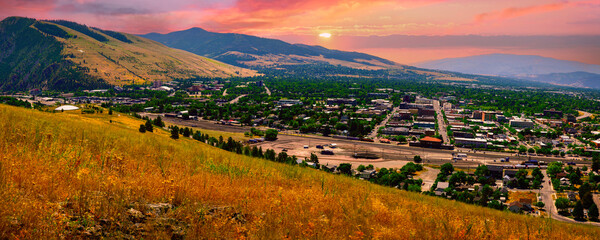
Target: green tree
562, 203
585, 194
142, 128
447, 169
314, 158
175, 132
281, 157
578, 211
522, 149
595, 163
271, 135
345, 168
110, 112
554, 168
270, 154
149, 127
593, 212
361, 168
417, 159
158, 122
537, 174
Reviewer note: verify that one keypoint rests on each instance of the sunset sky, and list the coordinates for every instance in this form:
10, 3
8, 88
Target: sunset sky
352, 24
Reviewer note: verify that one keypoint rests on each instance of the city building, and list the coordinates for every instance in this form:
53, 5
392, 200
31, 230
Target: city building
288, 102
553, 113
471, 142
521, 123
341, 101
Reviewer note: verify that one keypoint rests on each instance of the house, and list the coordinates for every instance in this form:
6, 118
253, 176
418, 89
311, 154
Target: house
507, 179
441, 186
572, 196
367, 174
495, 171
330, 168
519, 206
565, 181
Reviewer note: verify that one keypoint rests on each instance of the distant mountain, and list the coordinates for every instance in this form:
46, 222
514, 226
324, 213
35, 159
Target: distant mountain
509, 65
574, 79
251, 51
529, 67
66, 55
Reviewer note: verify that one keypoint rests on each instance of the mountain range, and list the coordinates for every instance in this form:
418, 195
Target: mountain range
527, 67
63, 55
66, 55
251, 51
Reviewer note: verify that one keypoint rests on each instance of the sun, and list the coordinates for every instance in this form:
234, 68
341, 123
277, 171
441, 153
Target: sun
325, 35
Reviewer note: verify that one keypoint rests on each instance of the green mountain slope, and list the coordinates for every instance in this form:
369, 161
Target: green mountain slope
30, 58
67, 55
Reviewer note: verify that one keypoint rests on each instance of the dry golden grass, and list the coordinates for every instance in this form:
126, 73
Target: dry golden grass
141, 61
66, 174
516, 196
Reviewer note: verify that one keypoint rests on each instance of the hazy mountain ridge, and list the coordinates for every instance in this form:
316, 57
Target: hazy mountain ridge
573, 79
67, 55
529, 67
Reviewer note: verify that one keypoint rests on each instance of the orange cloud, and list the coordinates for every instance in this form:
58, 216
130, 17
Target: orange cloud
261, 16
514, 12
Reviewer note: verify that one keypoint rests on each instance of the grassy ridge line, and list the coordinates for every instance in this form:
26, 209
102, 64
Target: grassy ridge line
103, 168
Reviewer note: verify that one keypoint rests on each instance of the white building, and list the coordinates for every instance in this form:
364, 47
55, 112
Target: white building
474, 142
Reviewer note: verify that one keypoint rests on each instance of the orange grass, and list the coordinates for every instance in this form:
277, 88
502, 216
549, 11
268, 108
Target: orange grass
101, 170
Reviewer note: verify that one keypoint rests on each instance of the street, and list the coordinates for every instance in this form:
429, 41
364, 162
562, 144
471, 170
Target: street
441, 123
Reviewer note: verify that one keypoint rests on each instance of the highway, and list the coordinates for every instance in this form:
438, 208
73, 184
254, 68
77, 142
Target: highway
431, 155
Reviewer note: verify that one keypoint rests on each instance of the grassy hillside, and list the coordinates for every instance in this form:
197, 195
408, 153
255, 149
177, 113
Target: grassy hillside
30, 58
46, 54
82, 175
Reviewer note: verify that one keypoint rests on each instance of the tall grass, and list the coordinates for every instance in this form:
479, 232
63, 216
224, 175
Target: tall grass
64, 174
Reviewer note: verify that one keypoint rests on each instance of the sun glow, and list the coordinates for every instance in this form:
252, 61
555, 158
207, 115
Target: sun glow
325, 35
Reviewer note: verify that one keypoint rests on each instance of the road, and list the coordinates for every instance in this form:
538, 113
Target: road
373, 133
267, 89
547, 192
583, 114
225, 92
441, 123
428, 177
235, 100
